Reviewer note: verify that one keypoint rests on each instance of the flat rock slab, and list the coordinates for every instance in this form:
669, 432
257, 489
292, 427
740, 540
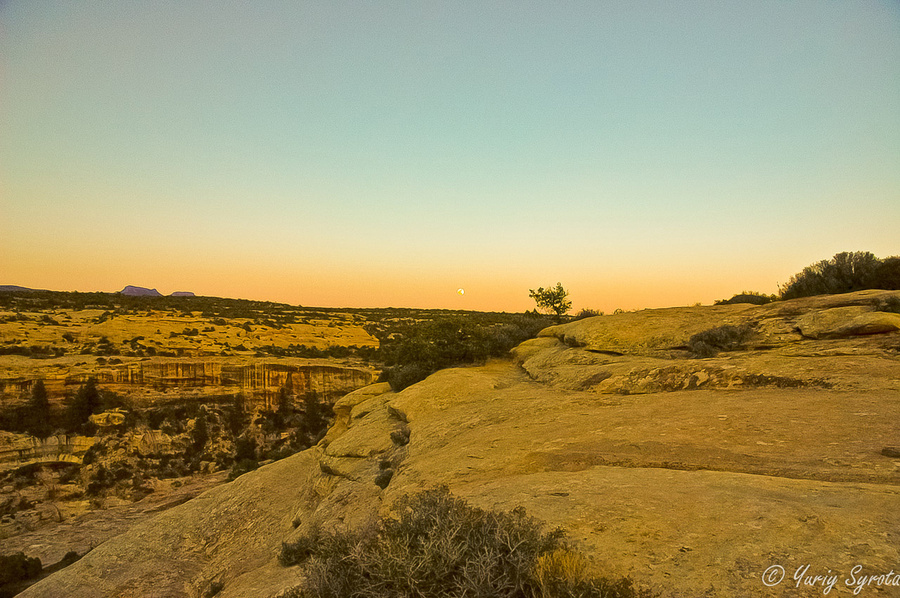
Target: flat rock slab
692, 493
705, 533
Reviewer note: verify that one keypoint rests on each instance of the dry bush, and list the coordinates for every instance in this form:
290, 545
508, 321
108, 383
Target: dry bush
721, 338
440, 546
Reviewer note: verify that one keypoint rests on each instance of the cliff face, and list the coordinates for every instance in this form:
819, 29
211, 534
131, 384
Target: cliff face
161, 380
693, 476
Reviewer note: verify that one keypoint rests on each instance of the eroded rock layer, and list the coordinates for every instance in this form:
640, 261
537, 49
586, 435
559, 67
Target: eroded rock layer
160, 380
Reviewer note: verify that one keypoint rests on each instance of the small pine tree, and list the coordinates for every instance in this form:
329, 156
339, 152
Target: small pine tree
237, 416
314, 421
285, 408
86, 403
39, 412
200, 433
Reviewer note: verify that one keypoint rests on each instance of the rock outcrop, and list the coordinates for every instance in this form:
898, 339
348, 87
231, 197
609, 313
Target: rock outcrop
18, 450
692, 476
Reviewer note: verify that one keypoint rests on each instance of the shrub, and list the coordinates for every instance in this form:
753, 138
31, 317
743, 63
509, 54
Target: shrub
891, 304
445, 342
587, 313
39, 411
86, 402
18, 567
401, 376
200, 432
722, 338
440, 546
843, 273
241, 467
751, 297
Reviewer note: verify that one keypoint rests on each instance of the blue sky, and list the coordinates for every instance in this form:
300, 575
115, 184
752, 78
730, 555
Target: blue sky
388, 153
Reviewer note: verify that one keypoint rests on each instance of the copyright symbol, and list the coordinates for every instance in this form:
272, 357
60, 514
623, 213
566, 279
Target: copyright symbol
773, 575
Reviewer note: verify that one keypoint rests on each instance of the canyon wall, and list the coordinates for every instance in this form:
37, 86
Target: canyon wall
164, 380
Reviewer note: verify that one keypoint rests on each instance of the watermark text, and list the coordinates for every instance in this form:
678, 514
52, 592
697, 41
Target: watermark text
857, 579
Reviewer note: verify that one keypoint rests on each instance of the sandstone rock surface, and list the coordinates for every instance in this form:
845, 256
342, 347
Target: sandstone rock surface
693, 476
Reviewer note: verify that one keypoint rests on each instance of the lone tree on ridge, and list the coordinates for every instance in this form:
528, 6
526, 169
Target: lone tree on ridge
552, 300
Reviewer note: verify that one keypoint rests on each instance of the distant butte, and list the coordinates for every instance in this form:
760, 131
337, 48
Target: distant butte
140, 292
182, 294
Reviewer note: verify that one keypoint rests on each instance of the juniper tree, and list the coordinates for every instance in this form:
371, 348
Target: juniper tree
38, 416
551, 299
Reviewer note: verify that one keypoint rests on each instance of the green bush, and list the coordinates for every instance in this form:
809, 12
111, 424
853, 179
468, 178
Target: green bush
86, 402
891, 304
587, 313
844, 273
722, 338
426, 347
440, 546
751, 297
241, 467
18, 567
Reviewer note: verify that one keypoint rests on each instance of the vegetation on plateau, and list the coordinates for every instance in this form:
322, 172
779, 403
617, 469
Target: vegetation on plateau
414, 352
438, 545
844, 273
751, 297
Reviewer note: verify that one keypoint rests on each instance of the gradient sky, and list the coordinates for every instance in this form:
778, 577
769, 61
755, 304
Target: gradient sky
644, 154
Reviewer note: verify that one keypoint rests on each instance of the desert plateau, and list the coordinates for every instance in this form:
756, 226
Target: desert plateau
690, 475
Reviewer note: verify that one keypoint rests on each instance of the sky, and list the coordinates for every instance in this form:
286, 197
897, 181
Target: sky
375, 154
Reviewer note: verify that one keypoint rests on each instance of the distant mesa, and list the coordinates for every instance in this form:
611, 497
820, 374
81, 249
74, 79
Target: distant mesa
133, 291
140, 292
11, 288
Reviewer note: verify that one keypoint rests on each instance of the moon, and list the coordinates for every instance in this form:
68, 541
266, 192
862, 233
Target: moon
461, 291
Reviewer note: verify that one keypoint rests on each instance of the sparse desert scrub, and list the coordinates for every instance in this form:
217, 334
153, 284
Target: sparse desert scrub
587, 313
890, 304
751, 297
721, 338
423, 348
438, 545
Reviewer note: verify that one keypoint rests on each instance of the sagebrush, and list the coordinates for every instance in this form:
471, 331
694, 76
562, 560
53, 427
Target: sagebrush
721, 338
440, 546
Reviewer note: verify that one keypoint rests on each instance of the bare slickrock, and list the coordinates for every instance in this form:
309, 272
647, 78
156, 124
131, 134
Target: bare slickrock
693, 476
